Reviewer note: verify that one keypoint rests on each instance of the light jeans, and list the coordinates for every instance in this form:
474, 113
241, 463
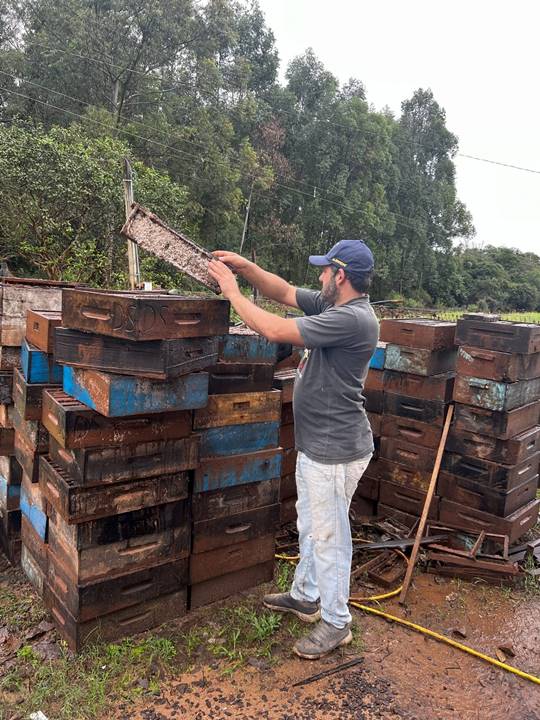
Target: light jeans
324, 498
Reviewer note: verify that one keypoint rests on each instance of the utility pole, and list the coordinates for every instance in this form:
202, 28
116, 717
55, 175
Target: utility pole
246, 219
133, 250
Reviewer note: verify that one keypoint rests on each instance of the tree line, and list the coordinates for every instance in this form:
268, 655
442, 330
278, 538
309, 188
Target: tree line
225, 152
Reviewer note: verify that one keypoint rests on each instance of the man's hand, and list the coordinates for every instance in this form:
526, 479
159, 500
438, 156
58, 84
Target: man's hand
231, 259
224, 277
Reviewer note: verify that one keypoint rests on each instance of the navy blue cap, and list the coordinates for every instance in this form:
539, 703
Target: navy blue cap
353, 256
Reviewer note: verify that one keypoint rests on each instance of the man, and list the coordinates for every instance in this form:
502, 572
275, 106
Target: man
332, 432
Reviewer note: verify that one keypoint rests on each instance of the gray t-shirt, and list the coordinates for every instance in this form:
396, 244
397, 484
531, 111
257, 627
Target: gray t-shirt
330, 423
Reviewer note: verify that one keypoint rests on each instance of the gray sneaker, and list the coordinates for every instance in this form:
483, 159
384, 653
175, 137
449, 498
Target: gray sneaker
322, 640
283, 602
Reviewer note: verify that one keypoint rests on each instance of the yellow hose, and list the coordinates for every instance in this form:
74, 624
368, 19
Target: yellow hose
448, 641
357, 603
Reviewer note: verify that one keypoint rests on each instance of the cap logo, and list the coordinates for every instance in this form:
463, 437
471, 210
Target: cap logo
339, 262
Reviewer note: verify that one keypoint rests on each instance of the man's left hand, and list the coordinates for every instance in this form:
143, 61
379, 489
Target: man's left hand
224, 277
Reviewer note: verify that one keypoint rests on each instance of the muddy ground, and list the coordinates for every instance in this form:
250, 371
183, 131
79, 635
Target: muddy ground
401, 674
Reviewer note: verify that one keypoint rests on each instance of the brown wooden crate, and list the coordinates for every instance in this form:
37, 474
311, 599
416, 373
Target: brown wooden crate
16, 298
494, 475
231, 558
493, 365
474, 494
406, 499
407, 453
219, 588
210, 534
228, 501
239, 378
413, 431
502, 336
510, 452
144, 316
467, 518
287, 486
419, 361
434, 387
239, 409
421, 333
27, 397
95, 466
40, 325
77, 503
503, 425
429, 411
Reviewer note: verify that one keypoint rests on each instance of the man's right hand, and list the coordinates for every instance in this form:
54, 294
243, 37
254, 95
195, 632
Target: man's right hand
233, 260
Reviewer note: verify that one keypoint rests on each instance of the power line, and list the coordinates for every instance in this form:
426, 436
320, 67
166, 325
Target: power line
288, 112
211, 162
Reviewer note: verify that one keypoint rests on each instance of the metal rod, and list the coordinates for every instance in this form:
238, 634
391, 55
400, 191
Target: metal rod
332, 671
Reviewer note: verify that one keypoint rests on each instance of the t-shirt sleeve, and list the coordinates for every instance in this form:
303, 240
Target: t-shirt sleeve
337, 326
310, 301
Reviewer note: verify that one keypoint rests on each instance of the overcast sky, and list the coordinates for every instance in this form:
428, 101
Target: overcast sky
480, 58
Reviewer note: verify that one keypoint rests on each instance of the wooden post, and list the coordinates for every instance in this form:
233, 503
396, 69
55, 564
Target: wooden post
246, 219
133, 251
425, 511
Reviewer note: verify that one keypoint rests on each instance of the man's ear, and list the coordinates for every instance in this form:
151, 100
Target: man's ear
340, 276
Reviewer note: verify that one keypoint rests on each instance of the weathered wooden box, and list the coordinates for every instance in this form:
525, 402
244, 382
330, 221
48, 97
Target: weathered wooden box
503, 425
239, 378
224, 586
511, 451
27, 397
40, 325
39, 367
228, 501
143, 315
434, 387
238, 439
242, 345
122, 395
419, 333
73, 425
493, 395
239, 409
121, 463
231, 558
410, 430
475, 494
155, 359
232, 529
428, 411
76, 503
520, 338
241, 469
494, 475
419, 361
467, 518
493, 365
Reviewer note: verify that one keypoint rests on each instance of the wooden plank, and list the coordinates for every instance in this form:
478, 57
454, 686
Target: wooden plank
28, 459
492, 365
418, 333
122, 395
116, 625
475, 494
374, 380
73, 425
238, 439
419, 361
6, 415
406, 519
219, 532
521, 338
122, 463
466, 518
287, 415
143, 315
287, 510
494, 475
286, 436
228, 501
79, 504
226, 585
10, 470
284, 380
493, 395
239, 409
33, 508
510, 452
95, 599
502, 425
29, 566
35, 544
155, 359
239, 378
242, 345
40, 325
10, 495
151, 234
232, 558
288, 461
241, 469
384, 469
7, 438
375, 421
374, 401
287, 487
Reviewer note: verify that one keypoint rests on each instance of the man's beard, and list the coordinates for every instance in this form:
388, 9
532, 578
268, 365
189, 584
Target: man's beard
330, 291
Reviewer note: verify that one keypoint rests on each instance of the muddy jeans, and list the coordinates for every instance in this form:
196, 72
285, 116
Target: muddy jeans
324, 498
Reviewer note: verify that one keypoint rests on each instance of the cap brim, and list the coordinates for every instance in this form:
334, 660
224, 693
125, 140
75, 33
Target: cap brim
318, 260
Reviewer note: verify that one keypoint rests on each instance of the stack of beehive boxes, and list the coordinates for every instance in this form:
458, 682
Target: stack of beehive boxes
236, 487
407, 399
117, 479
490, 469
284, 381
19, 427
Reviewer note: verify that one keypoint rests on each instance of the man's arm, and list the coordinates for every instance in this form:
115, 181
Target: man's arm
268, 284
273, 327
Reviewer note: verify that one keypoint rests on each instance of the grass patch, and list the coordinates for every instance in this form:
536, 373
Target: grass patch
531, 583
20, 608
284, 575
84, 686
